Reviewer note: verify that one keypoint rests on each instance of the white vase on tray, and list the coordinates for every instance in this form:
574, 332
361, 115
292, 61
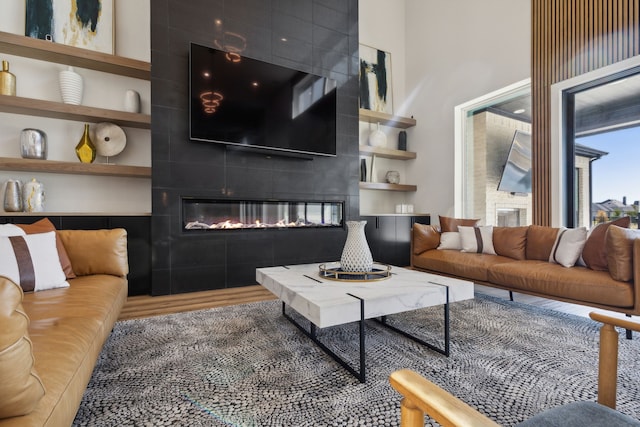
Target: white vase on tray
356, 255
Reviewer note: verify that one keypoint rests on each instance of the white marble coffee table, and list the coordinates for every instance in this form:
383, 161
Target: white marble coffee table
327, 302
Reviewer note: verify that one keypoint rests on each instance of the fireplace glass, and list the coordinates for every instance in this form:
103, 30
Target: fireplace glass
211, 214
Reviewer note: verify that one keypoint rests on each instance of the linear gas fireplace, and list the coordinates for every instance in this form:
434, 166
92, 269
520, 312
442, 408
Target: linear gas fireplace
213, 214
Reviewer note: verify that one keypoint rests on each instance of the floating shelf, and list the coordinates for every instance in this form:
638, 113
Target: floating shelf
387, 187
386, 119
387, 153
58, 110
43, 50
76, 168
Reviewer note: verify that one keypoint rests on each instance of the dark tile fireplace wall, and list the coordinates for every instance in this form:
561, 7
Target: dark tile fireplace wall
322, 38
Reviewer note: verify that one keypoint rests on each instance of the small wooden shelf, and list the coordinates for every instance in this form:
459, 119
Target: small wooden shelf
386, 119
387, 153
387, 187
58, 110
43, 50
77, 168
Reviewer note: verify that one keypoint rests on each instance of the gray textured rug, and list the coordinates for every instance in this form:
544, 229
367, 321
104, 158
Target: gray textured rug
248, 366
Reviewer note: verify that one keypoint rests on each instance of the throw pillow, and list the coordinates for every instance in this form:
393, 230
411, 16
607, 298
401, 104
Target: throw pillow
452, 224
568, 246
619, 249
32, 261
43, 226
540, 241
450, 240
594, 253
425, 237
20, 388
477, 239
510, 241
11, 230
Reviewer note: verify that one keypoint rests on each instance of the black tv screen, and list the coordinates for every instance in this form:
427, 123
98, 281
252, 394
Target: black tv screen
246, 102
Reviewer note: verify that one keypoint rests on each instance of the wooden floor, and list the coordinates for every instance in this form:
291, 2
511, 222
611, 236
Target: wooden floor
145, 306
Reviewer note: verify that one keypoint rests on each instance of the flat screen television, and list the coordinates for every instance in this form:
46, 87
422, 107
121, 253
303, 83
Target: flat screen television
249, 103
516, 176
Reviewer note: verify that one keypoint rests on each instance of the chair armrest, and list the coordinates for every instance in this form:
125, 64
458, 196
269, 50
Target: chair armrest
421, 396
608, 356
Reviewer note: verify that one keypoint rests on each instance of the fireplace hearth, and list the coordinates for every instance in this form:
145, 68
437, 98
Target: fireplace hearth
223, 214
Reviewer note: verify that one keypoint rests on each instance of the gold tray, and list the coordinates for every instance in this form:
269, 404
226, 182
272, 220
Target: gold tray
333, 271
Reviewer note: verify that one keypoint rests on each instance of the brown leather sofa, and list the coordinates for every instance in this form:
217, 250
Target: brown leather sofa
57, 334
521, 264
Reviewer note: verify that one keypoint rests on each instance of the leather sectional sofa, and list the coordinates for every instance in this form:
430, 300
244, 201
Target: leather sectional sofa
50, 339
522, 261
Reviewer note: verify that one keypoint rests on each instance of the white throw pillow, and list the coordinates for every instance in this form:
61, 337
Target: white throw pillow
32, 261
568, 246
477, 239
11, 230
450, 240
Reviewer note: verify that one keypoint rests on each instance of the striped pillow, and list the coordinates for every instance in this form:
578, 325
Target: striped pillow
477, 239
568, 246
32, 261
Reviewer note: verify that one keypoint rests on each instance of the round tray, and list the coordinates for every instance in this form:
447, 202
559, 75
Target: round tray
333, 271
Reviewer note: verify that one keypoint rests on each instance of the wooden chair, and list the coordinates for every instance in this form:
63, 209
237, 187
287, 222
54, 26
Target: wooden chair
421, 396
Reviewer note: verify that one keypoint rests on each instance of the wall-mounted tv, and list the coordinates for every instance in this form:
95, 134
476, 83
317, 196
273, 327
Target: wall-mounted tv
249, 103
516, 176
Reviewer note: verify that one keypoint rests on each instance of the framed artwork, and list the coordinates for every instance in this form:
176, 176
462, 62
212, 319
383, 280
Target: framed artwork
375, 80
81, 23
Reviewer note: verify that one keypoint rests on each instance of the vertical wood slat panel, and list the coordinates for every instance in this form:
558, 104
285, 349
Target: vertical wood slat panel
570, 38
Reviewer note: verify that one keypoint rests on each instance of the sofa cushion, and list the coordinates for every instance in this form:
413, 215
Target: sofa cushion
540, 241
44, 226
450, 240
451, 224
568, 246
477, 239
619, 247
594, 253
97, 251
32, 261
425, 237
20, 388
578, 284
510, 241
467, 265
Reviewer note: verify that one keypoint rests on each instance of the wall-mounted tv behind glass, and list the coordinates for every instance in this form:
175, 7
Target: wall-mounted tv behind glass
516, 176
249, 103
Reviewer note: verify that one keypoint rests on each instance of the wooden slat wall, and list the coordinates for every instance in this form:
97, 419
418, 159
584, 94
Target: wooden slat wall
569, 38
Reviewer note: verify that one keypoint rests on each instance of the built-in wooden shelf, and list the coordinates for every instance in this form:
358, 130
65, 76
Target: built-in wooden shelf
387, 153
76, 168
59, 110
387, 187
43, 50
386, 119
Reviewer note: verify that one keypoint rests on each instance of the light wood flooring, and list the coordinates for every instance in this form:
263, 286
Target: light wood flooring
145, 305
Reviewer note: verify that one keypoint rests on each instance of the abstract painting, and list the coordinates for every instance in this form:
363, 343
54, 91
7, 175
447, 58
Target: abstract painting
375, 80
81, 23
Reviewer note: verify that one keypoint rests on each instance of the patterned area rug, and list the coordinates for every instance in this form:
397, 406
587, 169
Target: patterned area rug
248, 366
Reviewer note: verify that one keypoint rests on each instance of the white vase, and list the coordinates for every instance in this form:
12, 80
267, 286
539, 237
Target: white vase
71, 86
377, 138
356, 255
33, 196
132, 101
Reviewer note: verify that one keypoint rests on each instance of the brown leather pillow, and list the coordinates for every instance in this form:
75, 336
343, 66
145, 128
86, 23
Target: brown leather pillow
97, 251
540, 241
594, 253
510, 241
451, 224
425, 237
20, 389
619, 249
44, 226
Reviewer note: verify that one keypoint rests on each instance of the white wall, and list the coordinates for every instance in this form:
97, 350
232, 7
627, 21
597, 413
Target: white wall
456, 51
443, 53
39, 79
